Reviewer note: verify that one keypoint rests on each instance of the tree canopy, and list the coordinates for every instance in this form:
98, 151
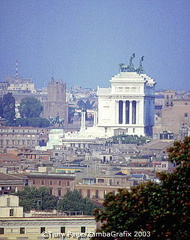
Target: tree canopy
73, 201
30, 107
159, 211
41, 199
179, 153
30, 110
36, 198
128, 139
1, 107
32, 122
8, 108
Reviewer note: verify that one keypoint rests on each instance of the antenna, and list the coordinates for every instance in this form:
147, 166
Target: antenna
16, 73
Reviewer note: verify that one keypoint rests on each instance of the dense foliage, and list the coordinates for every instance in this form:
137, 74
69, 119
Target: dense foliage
7, 108
38, 199
159, 210
30, 110
1, 107
73, 201
179, 153
85, 105
128, 139
30, 107
41, 199
32, 122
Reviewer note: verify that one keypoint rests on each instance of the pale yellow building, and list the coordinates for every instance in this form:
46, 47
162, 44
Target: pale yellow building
15, 226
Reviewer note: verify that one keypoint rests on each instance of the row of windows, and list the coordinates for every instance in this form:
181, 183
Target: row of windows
18, 135
19, 142
18, 130
42, 230
51, 182
90, 192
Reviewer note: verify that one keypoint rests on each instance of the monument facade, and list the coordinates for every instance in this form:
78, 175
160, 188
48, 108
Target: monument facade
127, 107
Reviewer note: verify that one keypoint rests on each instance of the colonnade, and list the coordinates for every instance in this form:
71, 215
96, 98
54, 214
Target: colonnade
126, 112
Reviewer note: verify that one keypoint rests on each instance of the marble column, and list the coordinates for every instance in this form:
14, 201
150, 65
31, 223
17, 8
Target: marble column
116, 112
124, 112
130, 112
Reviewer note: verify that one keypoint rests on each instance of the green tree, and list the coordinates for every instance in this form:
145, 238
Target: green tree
44, 122
180, 151
38, 122
1, 107
21, 122
30, 107
81, 104
8, 105
88, 104
38, 199
159, 210
129, 139
73, 201
32, 122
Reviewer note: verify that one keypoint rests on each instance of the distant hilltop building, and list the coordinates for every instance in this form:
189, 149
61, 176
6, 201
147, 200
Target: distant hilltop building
19, 84
56, 107
53, 100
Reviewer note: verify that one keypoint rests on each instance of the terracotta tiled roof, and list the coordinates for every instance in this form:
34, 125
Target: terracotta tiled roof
5, 157
4, 176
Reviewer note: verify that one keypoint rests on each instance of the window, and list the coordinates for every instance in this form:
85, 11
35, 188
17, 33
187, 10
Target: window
88, 193
22, 230
50, 183
59, 192
34, 182
68, 183
96, 194
83, 229
62, 229
42, 182
185, 115
1, 230
11, 212
8, 202
42, 229
56, 154
59, 183
100, 180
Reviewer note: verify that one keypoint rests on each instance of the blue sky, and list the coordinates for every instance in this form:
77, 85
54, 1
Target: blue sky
83, 41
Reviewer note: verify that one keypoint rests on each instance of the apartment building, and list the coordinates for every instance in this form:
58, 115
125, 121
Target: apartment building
15, 226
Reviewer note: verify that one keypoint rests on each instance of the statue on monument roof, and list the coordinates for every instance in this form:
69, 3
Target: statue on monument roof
130, 67
140, 69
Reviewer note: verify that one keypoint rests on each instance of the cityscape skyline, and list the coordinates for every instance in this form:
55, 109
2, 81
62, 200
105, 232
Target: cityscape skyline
83, 42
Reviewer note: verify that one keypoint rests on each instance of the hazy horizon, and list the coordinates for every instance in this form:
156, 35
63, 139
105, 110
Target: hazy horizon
83, 42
